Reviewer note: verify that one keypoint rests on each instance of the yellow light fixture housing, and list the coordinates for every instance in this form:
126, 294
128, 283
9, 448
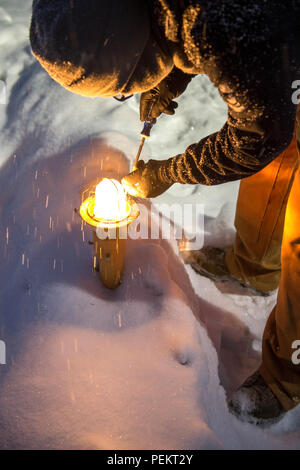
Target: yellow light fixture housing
108, 206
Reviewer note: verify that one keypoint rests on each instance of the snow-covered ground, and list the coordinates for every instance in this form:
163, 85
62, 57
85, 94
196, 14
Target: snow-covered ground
148, 365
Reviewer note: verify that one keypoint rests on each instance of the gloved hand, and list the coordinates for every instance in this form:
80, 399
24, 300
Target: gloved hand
145, 182
159, 99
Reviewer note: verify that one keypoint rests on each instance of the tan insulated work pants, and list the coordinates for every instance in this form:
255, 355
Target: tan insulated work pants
266, 254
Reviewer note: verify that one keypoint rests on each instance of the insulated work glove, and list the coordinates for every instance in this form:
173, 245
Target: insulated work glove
145, 182
159, 100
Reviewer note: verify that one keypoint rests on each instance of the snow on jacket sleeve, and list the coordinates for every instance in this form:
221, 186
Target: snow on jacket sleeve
250, 139
250, 51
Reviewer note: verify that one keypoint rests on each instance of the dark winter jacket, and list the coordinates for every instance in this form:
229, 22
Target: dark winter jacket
249, 49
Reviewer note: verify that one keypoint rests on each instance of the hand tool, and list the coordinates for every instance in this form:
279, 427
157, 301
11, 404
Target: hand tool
148, 124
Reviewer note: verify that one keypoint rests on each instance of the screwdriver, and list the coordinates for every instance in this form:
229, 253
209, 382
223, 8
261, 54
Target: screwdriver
148, 124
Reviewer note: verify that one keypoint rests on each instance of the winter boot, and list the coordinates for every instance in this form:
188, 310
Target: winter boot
255, 403
210, 262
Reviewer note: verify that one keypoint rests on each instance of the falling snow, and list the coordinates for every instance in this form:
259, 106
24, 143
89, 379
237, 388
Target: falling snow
148, 365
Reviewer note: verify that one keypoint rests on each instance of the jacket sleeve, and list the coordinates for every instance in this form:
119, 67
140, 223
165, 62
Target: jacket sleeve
255, 133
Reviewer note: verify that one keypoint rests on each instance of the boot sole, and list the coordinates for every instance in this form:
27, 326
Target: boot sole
229, 279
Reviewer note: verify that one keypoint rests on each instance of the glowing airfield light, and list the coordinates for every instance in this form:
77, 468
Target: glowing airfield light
110, 200
108, 207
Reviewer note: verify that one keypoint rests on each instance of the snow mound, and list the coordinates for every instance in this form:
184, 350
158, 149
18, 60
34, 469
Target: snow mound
146, 366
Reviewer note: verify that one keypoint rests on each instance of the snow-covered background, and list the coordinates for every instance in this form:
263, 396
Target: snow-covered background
146, 366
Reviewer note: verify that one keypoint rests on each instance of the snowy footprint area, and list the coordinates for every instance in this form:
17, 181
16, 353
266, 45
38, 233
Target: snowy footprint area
147, 366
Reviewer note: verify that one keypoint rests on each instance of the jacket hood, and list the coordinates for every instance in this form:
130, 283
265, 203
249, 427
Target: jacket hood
98, 47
